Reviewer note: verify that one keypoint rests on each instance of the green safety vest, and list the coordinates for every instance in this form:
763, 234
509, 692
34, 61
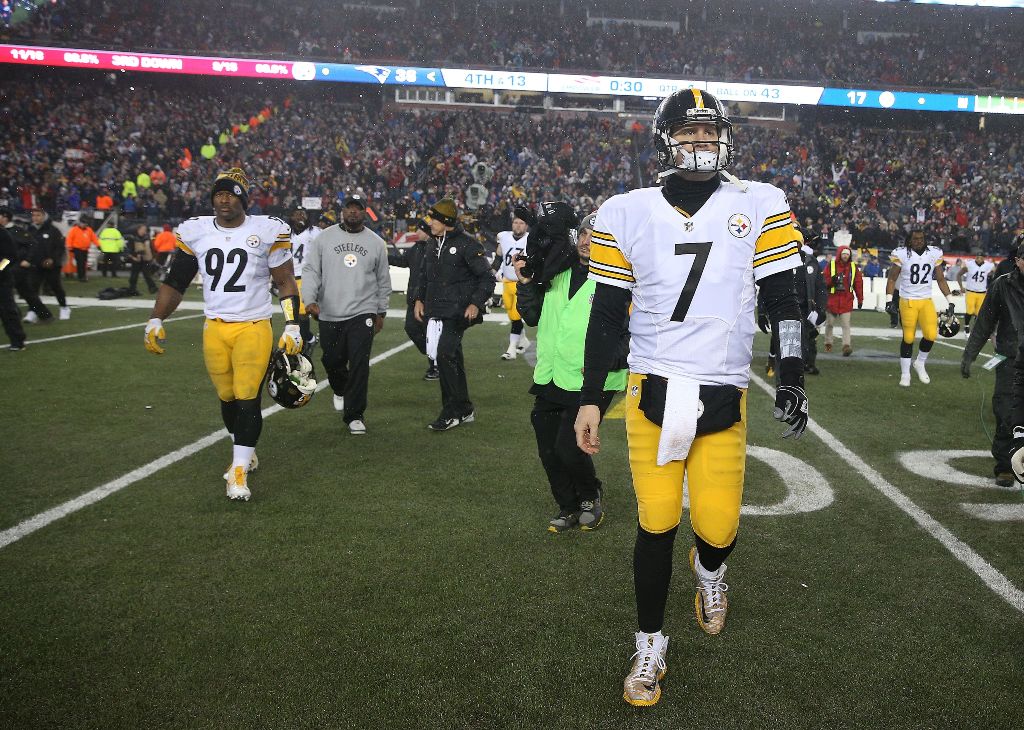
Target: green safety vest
562, 336
111, 241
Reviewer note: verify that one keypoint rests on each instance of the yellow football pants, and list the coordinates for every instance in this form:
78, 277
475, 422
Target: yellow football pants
508, 299
714, 475
914, 312
974, 300
302, 304
237, 355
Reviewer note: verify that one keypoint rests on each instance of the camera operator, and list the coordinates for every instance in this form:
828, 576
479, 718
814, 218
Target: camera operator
455, 284
561, 311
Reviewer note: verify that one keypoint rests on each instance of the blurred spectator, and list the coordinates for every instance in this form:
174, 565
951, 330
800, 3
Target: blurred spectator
79, 240
140, 258
843, 280
112, 244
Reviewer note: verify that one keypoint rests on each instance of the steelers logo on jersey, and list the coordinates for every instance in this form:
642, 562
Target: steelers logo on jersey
739, 225
350, 260
252, 241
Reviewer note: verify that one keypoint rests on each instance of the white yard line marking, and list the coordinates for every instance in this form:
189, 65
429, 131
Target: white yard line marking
963, 552
43, 519
140, 326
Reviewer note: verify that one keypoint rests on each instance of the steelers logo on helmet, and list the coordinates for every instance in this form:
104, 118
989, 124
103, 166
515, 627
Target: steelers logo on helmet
949, 324
684, 108
291, 380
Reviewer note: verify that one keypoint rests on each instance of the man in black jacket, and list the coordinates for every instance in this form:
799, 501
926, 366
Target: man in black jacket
412, 258
813, 302
9, 314
455, 284
47, 258
1002, 312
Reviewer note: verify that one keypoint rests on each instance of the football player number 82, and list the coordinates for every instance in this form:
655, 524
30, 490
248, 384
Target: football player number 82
701, 251
215, 262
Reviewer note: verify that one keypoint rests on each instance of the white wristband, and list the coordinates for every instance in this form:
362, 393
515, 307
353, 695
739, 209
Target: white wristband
888, 298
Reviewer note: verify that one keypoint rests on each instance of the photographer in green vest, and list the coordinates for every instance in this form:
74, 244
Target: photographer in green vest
561, 311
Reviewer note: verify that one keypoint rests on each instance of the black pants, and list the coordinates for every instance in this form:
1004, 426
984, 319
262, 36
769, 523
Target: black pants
110, 262
894, 318
809, 344
417, 331
1002, 407
346, 357
52, 279
571, 472
24, 284
141, 267
451, 367
10, 315
81, 262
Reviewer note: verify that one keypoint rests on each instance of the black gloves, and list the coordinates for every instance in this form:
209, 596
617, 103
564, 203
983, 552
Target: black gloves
891, 307
791, 408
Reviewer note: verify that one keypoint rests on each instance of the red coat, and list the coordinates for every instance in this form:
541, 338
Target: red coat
840, 293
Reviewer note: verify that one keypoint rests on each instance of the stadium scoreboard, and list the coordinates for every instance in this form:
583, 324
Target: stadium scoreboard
505, 80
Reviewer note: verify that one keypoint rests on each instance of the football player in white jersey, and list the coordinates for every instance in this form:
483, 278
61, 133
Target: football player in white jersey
977, 273
914, 264
302, 235
689, 257
510, 245
238, 256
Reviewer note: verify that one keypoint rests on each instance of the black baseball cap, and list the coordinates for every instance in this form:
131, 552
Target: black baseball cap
355, 200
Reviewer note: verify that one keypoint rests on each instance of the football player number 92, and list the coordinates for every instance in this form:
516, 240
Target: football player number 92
215, 264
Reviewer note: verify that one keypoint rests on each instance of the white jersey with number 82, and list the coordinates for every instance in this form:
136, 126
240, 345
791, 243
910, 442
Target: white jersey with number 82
916, 271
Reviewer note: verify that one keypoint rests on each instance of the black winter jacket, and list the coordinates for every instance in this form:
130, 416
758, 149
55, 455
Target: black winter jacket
1002, 312
47, 243
454, 274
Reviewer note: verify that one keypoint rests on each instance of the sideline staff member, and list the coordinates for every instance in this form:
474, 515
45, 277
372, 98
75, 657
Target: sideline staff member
456, 283
347, 287
561, 315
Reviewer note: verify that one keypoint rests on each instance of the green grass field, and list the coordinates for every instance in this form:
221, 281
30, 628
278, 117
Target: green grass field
406, 580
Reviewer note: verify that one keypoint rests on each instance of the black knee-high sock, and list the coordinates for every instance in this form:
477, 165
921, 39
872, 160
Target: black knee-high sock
926, 345
229, 412
967, 320
711, 557
652, 572
906, 349
517, 327
248, 422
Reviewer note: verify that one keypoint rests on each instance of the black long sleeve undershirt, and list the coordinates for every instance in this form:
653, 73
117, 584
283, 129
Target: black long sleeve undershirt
611, 305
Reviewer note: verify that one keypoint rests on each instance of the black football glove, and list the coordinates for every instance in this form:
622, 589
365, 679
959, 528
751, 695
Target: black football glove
1017, 454
791, 408
950, 310
763, 323
891, 307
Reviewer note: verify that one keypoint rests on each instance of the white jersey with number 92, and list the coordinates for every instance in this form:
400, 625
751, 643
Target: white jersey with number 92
235, 263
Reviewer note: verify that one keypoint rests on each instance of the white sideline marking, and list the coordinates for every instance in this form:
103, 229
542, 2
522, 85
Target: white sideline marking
934, 464
996, 512
141, 325
41, 520
963, 552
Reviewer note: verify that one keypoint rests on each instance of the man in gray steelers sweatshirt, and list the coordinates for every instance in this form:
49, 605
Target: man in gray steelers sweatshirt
346, 284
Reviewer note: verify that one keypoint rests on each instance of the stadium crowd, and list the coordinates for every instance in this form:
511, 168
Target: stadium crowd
733, 41
152, 150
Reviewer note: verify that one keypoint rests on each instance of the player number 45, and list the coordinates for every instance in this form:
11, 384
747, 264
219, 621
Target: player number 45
701, 251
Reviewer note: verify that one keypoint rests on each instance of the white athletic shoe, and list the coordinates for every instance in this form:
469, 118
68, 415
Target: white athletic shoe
710, 602
523, 344
30, 317
921, 373
357, 428
509, 354
65, 313
254, 464
905, 380
641, 688
237, 486
339, 402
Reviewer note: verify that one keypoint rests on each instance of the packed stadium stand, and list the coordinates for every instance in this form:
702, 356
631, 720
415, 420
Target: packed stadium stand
896, 45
